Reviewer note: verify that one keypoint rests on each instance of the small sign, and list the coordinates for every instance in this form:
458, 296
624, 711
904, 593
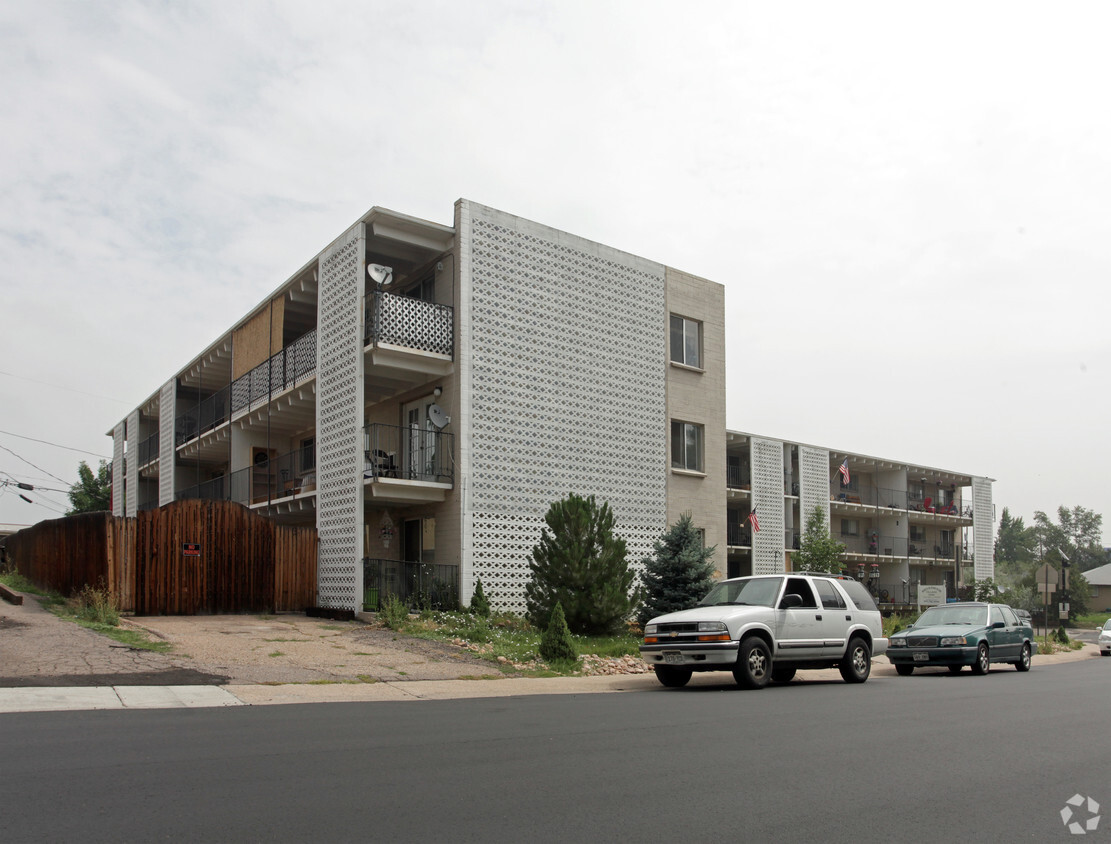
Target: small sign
931, 595
190, 549
1046, 574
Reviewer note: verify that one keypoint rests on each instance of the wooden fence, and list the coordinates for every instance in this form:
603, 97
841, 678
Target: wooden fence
186, 558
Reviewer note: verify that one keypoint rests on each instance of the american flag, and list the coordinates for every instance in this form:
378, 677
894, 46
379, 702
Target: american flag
844, 470
752, 520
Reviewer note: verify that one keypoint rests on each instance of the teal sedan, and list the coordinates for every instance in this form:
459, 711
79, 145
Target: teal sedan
956, 635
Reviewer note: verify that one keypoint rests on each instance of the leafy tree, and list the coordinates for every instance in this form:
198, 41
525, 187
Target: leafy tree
1014, 542
1077, 534
556, 644
678, 574
91, 492
818, 550
479, 604
580, 563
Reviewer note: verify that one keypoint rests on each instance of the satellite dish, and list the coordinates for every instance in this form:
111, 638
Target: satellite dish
437, 416
380, 274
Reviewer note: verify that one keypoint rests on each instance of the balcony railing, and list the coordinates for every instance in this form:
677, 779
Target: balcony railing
885, 546
739, 535
416, 454
294, 363
148, 449
210, 413
738, 477
409, 323
418, 585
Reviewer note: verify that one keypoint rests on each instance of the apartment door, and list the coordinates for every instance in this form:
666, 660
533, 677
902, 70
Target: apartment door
419, 446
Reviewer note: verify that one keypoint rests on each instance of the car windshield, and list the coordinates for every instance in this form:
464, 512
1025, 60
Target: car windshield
757, 591
1107, 624
972, 616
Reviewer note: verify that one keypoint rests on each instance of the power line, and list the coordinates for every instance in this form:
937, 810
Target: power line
29, 463
56, 445
60, 387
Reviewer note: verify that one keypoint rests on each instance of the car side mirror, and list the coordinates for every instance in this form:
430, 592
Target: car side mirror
997, 625
790, 600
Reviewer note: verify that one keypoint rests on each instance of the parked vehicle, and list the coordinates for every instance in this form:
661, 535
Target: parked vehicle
765, 628
1024, 616
955, 635
1104, 640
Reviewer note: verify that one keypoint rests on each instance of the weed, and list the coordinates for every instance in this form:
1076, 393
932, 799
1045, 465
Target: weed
96, 604
366, 678
287, 640
332, 627
394, 613
14, 580
277, 653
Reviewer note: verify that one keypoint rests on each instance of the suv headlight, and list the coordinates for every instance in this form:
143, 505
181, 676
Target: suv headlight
954, 640
711, 626
650, 630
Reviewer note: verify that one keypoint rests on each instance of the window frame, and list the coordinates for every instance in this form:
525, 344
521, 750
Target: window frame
679, 441
686, 326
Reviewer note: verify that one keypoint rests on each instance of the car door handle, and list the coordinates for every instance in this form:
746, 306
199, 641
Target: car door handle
819, 617
848, 618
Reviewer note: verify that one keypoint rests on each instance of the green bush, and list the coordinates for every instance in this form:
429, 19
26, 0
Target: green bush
97, 604
556, 644
393, 612
479, 604
678, 574
1061, 636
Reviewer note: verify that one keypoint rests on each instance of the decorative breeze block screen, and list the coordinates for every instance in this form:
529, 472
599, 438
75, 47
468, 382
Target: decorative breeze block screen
132, 463
767, 497
166, 460
568, 356
982, 522
813, 483
339, 410
118, 479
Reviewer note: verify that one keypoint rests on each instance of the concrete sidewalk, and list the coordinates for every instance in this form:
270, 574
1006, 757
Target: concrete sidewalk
44, 699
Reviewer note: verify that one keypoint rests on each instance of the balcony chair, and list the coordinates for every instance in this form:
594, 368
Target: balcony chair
380, 465
928, 505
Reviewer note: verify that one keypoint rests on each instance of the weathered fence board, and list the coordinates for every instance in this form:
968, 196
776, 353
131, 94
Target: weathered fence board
186, 558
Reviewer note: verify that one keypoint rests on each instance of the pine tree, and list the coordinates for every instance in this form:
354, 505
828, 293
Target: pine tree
818, 551
556, 644
580, 563
678, 574
479, 604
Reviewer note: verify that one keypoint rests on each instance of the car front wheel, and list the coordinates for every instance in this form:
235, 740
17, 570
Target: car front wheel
673, 678
1023, 663
983, 660
857, 663
903, 670
754, 664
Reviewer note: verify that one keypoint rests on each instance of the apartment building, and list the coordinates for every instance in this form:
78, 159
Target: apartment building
422, 392
902, 525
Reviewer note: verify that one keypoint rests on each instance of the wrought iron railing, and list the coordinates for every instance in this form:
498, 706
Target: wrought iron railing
283, 370
210, 413
417, 585
148, 449
739, 535
409, 323
738, 477
416, 454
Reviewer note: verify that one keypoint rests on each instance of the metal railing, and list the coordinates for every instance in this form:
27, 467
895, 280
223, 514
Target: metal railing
210, 413
418, 585
148, 449
294, 363
739, 535
416, 454
867, 543
409, 323
738, 477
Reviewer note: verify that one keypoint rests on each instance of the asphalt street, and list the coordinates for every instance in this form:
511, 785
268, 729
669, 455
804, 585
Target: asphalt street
932, 757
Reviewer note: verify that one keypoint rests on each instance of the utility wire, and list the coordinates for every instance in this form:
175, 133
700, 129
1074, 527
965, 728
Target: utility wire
29, 463
56, 445
60, 387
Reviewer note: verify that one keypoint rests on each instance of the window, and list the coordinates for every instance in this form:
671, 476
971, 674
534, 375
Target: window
308, 454
686, 341
686, 446
850, 527
800, 587
425, 290
831, 598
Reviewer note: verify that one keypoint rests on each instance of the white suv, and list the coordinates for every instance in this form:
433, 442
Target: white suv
766, 628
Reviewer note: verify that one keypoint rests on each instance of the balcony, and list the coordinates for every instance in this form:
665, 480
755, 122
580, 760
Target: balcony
208, 415
739, 535
281, 372
408, 342
407, 464
148, 450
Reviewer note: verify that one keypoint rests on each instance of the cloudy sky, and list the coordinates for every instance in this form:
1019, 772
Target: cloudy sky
907, 203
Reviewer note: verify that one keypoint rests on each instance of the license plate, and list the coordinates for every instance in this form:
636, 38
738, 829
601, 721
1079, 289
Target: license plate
673, 658
921, 657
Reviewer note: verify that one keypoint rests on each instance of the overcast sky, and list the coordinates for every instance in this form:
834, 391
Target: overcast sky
907, 203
